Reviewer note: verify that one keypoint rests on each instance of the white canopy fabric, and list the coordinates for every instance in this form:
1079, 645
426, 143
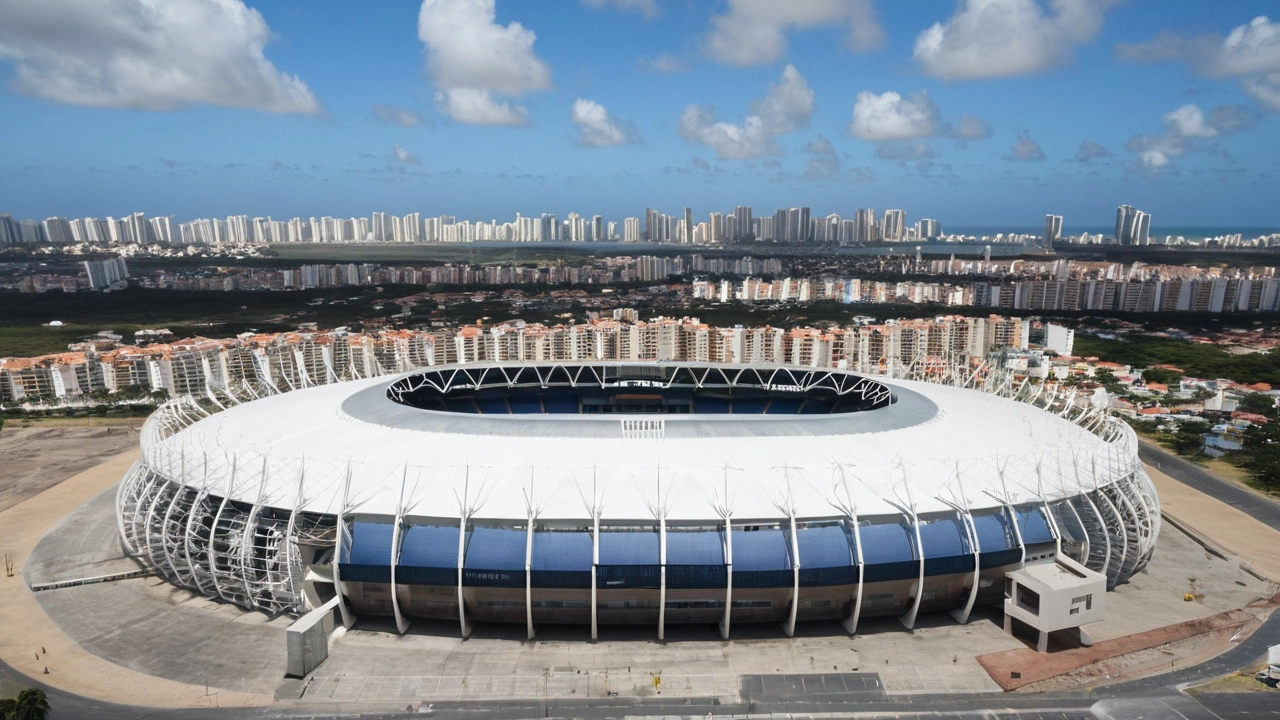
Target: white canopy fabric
349, 448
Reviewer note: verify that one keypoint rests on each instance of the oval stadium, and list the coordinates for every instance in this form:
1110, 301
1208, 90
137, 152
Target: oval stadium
600, 493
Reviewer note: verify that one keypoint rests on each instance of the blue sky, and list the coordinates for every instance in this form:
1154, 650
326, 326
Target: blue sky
285, 108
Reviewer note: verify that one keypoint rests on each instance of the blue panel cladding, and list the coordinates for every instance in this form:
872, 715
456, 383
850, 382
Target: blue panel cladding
888, 552
428, 555
629, 559
1033, 525
945, 545
996, 541
762, 558
495, 558
369, 557
828, 556
561, 559
695, 559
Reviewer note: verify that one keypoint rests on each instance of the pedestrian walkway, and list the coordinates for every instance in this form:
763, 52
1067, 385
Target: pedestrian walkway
30, 642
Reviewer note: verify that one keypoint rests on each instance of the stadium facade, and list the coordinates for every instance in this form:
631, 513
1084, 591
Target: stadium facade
613, 492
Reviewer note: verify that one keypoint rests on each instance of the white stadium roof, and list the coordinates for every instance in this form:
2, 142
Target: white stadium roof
349, 448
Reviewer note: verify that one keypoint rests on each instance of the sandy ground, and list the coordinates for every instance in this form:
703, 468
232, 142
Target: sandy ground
32, 642
1226, 527
38, 456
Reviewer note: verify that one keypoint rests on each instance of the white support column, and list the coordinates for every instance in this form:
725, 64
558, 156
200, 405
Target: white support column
528, 578
728, 572
962, 616
851, 622
464, 627
595, 564
339, 536
164, 521
1124, 536
790, 627
213, 530
1013, 516
401, 623
662, 586
190, 525
291, 542
1102, 523
909, 619
250, 529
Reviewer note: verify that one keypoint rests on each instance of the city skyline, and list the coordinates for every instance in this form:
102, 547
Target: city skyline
935, 108
741, 224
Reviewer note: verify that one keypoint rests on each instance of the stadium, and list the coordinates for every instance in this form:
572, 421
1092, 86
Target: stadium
600, 493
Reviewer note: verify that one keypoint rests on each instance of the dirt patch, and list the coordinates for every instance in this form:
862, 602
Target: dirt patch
36, 457
1097, 662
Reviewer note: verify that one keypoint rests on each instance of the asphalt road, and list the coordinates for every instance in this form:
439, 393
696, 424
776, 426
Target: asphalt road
1188, 473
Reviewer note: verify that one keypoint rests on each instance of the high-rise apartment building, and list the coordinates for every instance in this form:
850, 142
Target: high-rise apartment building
864, 226
1133, 227
688, 225
742, 222
1052, 230
893, 225
716, 229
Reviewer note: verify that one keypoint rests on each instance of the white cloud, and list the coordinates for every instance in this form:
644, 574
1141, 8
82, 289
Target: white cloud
147, 55
1189, 121
1025, 149
398, 115
666, 63
1089, 151
1249, 53
470, 57
820, 146
405, 156
904, 151
1183, 128
478, 107
731, 141
970, 127
890, 116
1266, 90
1249, 49
1001, 38
753, 32
786, 106
648, 8
596, 128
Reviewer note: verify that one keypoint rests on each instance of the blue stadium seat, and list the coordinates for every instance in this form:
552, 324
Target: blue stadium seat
784, 406
493, 406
